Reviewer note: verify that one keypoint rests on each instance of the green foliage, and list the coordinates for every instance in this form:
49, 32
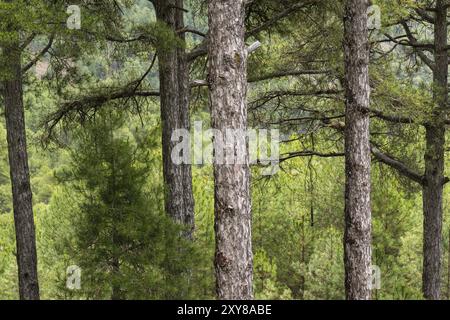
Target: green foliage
326, 268
8, 267
266, 284
115, 229
98, 201
5, 187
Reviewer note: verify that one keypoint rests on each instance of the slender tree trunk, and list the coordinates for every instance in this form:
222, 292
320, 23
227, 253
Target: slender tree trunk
448, 267
116, 293
432, 209
175, 91
20, 177
303, 260
357, 239
434, 163
228, 90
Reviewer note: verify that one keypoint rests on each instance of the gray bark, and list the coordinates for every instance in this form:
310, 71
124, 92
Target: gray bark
448, 267
357, 238
174, 92
20, 177
227, 79
434, 163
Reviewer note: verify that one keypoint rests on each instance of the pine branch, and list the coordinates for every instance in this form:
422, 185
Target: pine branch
39, 55
397, 165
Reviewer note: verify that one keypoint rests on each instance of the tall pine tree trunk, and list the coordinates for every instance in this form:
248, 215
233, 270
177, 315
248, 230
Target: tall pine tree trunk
432, 209
434, 163
448, 267
20, 177
175, 91
227, 76
357, 239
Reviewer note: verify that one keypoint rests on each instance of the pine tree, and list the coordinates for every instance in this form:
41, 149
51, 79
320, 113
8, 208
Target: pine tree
357, 239
12, 90
227, 76
175, 113
124, 244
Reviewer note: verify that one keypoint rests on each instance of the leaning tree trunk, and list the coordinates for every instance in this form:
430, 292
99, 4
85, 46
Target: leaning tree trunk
448, 267
357, 238
434, 163
20, 177
175, 91
228, 90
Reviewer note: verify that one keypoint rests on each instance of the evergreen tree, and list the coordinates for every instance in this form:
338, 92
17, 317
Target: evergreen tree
123, 243
357, 238
228, 93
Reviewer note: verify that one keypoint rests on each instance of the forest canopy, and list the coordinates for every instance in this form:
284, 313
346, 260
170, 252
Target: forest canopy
212, 149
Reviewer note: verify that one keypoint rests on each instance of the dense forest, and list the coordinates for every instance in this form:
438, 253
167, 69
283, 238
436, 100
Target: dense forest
224, 149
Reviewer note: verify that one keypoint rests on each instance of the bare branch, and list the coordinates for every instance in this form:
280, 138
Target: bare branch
30, 64
397, 165
310, 153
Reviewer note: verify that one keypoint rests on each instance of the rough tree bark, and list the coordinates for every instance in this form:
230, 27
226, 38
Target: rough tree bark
20, 176
175, 91
227, 79
357, 238
448, 267
116, 293
434, 162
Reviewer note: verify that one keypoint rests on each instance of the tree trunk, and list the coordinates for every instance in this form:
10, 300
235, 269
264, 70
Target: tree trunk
175, 91
434, 163
227, 76
116, 293
357, 238
20, 177
448, 267
432, 210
